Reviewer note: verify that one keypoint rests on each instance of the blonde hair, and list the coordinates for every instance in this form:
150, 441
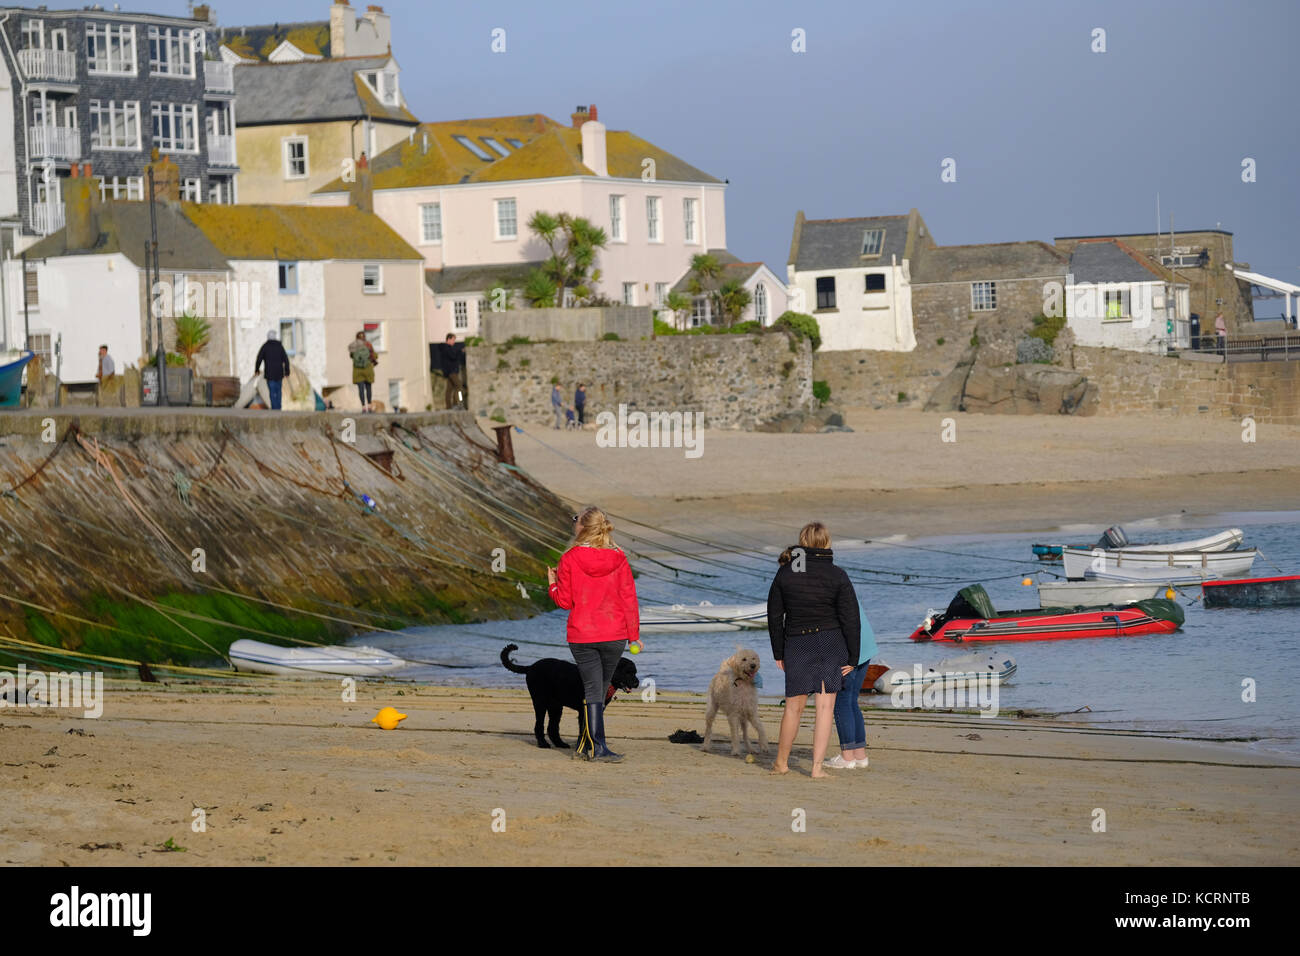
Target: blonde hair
593, 529
815, 535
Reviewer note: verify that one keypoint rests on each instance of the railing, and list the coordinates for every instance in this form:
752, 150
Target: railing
1281, 347
54, 142
58, 65
47, 217
221, 149
218, 76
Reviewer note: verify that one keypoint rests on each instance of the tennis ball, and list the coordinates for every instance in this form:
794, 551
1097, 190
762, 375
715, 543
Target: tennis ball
635, 647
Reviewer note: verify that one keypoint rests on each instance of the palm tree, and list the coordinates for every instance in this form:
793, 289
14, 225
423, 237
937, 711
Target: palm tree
678, 304
192, 336
574, 243
733, 299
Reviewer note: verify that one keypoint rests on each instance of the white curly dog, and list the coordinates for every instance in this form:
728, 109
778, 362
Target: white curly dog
732, 691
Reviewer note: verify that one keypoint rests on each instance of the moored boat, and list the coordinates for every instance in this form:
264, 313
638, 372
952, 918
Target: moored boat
1114, 539
1281, 591
994, 668
12, 364
702, 617
1152, 565
360, 661
972, 617
1099, 591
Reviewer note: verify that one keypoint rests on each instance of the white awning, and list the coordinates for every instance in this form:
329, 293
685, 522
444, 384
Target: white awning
1279, 288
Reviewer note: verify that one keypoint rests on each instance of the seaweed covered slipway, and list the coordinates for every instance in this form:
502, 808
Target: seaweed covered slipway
156, 539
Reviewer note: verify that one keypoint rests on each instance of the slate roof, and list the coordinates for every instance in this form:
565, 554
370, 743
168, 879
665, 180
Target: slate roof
1094, 261
433, 156
271, 231
453, 280
258, 42
823, 244
312, 90
988, 261
732, 268
124, 227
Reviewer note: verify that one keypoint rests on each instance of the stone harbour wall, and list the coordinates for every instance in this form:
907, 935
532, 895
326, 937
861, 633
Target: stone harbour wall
737, 381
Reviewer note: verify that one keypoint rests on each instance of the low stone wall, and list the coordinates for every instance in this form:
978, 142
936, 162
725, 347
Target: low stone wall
864, 377
1133, 382
628, 322
737, 381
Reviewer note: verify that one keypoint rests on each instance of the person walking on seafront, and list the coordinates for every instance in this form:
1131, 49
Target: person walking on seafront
276, 360
594, 584
580, 404
813, 622
364, 361
557, 405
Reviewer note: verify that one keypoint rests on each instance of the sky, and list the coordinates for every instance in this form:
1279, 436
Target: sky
1049, 137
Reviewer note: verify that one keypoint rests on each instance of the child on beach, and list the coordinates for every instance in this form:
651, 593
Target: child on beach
594, 584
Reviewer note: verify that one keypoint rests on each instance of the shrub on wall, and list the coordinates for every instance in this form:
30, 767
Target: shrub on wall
801, 326
822, 392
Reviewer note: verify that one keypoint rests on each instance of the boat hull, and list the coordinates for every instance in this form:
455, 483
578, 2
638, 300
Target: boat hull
992, 668
1092, 593
1153, 565
11, 376
1115, 621
1223, 541
259, 658
1253, 592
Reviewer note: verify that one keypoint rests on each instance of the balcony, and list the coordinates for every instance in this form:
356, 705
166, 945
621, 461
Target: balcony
218, 76
54, 142
221, 150
47, 217
57, 65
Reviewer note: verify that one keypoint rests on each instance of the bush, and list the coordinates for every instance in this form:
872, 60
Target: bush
822, 392
524, 363
665, 328
174, 360
902, 397
940, 342
502, 364
1046, 328
1031, 350
611, 337
975, 339
519, 340
800, 325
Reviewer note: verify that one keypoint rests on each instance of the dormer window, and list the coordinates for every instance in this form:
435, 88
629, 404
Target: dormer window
384, 83
872, 240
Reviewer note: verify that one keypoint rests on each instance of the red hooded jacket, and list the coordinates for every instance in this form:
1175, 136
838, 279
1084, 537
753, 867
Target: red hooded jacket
595, 586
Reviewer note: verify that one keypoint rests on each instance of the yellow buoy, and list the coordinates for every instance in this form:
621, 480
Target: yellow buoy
1027, 581
1171, 594
388, 718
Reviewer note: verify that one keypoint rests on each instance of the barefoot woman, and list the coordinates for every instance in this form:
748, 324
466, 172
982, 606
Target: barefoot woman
594, 583
812, 620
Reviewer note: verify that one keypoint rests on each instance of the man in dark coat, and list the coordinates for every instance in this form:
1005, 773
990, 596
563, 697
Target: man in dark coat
276, 359
451, 360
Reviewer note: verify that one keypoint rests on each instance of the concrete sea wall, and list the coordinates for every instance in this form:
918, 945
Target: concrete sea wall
161, 536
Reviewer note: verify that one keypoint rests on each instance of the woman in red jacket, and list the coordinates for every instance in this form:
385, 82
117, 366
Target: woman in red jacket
594, 584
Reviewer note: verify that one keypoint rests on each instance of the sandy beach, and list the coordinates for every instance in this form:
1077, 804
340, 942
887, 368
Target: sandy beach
287, 773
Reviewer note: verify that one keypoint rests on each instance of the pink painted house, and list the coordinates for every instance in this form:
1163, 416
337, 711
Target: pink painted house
462, 193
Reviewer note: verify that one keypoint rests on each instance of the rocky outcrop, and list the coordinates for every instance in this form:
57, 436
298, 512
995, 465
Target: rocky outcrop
1028, 390
806, 422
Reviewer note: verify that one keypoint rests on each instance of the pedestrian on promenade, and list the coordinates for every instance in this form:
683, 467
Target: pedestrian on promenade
364, 361
276, 360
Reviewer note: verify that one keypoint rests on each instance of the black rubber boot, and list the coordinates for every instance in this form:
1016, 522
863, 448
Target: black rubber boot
596, 717
585, 748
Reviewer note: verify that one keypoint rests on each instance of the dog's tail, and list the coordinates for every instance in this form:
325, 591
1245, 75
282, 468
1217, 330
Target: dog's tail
508, 663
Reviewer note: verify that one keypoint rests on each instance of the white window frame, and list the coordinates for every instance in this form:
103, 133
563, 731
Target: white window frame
498, 206
760, 303
33, 29
295, 336
984, 296
629, 293
400, 385
430, 223
127, 112
1121, 296
375, 333
285, 144
377, 287
286, 277
617, 220
460, 315
873, 240
661, 294
689, 222
701, 311
654, 230
220, 191
167, 47
59, 40
121, 187
184, 114
108, 63
192, 190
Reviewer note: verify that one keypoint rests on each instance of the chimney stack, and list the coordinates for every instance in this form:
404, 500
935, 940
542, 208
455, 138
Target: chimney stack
343, 23
579, 116
593, 146
166, 178
81, 196
362, 193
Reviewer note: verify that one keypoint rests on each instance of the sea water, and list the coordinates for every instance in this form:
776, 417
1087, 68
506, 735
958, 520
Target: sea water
1191, 683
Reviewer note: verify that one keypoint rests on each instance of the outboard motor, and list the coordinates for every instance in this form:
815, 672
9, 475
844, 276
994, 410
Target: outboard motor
1114, 539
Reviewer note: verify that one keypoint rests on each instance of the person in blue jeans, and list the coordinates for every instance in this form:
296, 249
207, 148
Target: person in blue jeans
850, 726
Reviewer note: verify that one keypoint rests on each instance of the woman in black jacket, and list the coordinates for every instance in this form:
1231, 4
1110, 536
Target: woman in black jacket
813, 622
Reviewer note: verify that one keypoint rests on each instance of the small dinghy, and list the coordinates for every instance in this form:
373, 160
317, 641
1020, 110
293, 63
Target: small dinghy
1114, 539
260, 658
994, 668
1281, 591
1129, 565
1092, 592
972, 617
695, 618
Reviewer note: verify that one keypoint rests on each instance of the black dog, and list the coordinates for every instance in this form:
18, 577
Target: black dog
554, 684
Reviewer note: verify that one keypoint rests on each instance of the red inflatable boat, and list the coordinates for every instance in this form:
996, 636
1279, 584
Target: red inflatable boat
972, 617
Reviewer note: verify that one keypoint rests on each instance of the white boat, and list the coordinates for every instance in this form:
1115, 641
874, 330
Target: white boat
998, 668
260, 658
1096, 591
695, 618
1130, 565
1223, 541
